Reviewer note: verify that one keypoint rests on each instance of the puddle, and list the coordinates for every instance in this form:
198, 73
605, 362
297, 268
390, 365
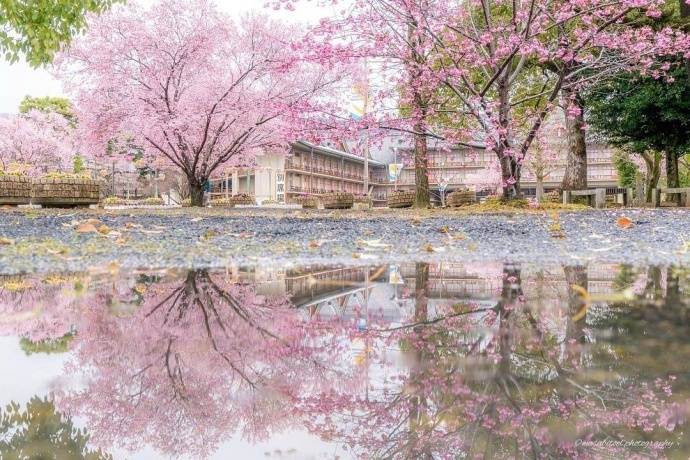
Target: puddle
415, 360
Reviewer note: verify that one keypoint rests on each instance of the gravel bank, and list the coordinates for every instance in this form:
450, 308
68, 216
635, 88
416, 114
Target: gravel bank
46, 240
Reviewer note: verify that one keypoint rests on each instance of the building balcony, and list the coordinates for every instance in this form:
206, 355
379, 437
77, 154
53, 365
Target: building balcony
313, 191
324, 171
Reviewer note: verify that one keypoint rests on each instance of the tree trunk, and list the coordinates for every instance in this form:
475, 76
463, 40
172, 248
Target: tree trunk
672, 180
540, 188
421, 170
575, 177
510, 176
510, 168
652, 162
196, 192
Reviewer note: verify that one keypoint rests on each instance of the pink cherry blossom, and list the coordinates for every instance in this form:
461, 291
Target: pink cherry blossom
39, 141
191, 85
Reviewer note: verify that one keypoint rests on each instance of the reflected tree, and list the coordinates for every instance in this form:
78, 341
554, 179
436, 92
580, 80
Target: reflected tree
39, 431
200, 358
500, 382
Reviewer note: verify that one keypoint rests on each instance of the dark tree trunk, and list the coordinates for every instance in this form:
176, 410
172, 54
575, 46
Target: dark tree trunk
421, 170
575, 177
510, 176
510, 168
652, 161
196, 192
672, 169
672, 180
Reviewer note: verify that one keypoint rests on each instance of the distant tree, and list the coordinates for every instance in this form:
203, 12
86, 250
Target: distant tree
39, 141
59, 105
626, 168
643, 114
35, 29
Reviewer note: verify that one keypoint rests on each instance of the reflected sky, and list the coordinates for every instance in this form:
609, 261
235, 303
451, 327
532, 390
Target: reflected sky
409, 361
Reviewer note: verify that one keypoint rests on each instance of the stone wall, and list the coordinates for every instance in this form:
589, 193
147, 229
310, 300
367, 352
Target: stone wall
14, 189
65, 192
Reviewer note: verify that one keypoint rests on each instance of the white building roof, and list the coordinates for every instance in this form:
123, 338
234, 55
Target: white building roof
335, 152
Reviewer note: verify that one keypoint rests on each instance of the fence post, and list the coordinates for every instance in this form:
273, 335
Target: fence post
600, 198
566, 197
628, 197
656, 197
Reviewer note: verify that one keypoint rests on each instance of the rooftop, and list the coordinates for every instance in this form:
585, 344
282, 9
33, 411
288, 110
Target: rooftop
308, 146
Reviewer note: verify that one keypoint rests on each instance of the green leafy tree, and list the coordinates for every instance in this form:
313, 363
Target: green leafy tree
626, 168
642, 114
60, 105
41, 432
35, 29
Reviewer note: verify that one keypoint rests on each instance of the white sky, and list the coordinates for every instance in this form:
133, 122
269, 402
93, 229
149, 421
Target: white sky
18, 80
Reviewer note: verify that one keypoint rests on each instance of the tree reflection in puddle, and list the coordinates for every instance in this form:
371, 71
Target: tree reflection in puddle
38, 431
416, 361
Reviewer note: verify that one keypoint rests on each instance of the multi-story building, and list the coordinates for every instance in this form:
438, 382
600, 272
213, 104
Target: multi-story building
310, 169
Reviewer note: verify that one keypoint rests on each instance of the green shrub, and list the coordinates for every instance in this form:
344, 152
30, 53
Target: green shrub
152, 201
65, 175
114, 200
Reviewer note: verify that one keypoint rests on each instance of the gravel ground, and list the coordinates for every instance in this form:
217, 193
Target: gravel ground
46, 240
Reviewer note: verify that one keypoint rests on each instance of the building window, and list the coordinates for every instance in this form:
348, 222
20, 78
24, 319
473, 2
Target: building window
281, 187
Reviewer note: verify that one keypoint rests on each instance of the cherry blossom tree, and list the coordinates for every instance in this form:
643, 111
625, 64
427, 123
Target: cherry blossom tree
37, 142
550, 149
495, 69
192, 85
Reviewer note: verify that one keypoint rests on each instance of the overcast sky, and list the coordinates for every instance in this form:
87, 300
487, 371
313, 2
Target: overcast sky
18, 80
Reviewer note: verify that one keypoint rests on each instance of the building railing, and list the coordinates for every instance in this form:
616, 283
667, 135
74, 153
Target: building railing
374, 178
314, 190
323, 170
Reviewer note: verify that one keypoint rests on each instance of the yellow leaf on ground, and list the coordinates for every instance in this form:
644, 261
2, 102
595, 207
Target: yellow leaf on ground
85, 227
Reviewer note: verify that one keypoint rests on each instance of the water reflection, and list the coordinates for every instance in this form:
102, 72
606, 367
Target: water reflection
410, 361
38, 431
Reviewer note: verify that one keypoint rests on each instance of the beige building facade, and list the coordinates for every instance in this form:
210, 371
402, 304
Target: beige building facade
310, 169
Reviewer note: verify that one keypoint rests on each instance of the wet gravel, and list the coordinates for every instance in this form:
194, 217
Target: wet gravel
46, 241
